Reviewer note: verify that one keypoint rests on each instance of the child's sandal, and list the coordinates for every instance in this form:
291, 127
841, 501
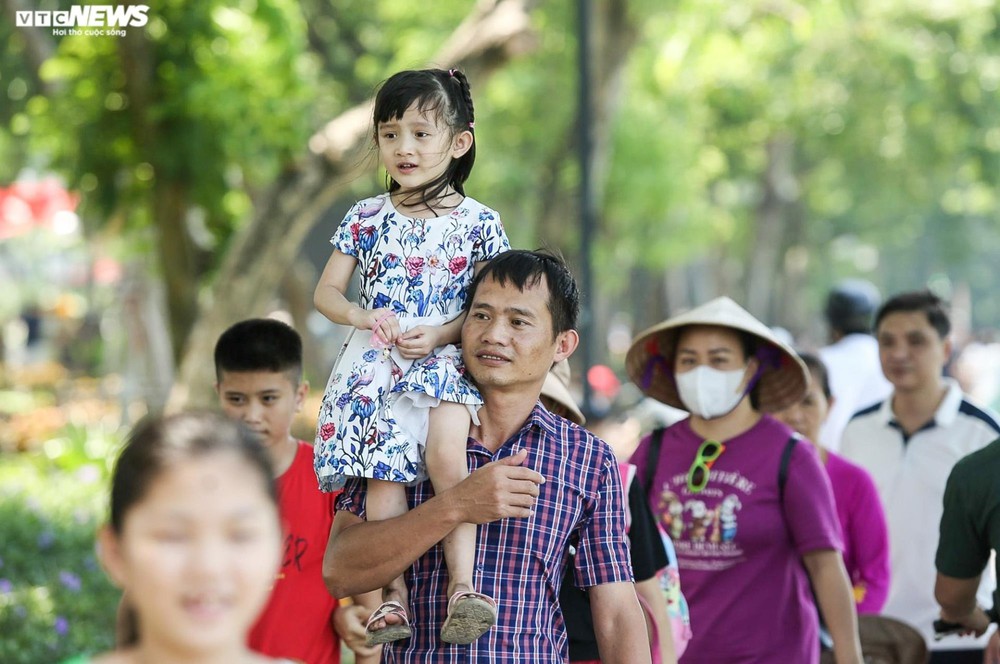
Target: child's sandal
470, 615
389, 632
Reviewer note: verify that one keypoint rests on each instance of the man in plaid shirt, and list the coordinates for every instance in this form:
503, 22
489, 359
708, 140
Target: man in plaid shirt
539, 485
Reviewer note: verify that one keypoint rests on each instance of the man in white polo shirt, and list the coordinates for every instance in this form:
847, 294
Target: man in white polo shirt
909, 443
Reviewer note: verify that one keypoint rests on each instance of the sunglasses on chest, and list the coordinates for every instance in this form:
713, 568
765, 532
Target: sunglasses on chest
708, 452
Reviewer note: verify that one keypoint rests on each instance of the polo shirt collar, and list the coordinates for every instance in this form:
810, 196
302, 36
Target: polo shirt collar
945, 414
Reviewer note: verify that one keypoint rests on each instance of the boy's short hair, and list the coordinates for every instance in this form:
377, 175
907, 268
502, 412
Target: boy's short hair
525, 269
260, 344
918, 301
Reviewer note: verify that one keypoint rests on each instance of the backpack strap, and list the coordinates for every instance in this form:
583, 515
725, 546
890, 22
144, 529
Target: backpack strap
655, 442
786, 458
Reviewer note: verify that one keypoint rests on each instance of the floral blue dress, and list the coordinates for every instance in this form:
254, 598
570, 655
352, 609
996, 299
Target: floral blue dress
373, 419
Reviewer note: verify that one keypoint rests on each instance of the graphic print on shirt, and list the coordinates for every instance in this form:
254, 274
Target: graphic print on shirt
704, 526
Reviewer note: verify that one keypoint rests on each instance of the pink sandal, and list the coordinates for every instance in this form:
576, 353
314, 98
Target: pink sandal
470, 615
391, 632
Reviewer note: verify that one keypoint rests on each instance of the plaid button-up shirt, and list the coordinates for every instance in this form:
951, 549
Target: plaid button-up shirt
521, 562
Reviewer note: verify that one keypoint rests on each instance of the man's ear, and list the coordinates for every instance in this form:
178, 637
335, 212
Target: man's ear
109, 554
566, 343
461, 144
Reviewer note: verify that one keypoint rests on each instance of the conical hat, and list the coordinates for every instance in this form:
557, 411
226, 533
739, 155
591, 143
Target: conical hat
556, 387
649, 362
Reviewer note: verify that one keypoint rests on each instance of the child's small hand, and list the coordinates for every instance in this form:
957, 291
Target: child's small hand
418, 342
382, 322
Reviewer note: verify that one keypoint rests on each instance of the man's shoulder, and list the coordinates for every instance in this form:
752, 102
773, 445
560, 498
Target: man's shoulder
982, 462
567, 441
865, 426
563, 429
979, 414
865, 416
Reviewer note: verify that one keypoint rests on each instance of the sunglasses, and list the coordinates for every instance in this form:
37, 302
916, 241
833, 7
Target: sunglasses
697, 476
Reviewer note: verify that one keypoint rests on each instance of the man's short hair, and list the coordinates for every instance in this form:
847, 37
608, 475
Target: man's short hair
921, 301
525, 269
259, 344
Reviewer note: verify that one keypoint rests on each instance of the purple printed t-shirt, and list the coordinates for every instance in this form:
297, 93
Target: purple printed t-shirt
740, 558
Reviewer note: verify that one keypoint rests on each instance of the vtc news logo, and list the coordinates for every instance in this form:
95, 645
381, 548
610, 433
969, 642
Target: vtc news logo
84, 16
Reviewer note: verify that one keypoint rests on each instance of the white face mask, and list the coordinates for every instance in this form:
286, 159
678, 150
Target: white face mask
708, 392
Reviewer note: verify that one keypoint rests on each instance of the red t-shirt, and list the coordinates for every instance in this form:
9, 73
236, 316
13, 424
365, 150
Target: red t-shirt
297, 621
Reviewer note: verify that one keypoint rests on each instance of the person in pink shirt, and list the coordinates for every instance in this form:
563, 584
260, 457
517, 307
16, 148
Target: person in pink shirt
862, 520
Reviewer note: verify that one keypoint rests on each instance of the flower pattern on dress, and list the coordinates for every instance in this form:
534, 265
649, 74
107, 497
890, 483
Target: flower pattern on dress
420, 269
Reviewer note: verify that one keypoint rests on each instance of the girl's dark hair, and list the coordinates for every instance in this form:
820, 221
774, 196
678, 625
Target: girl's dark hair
156, 444
446, 95
818, 369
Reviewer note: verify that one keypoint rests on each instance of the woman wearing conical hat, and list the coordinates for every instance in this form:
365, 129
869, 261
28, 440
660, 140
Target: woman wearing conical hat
748, 593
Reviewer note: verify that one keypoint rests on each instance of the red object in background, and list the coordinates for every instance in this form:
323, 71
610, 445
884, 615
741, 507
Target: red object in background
603, 381
29, 204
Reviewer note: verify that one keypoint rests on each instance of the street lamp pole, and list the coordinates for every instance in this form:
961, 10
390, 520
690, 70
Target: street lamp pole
588, 202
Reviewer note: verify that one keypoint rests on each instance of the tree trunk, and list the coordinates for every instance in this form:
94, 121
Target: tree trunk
261, 252
780, 190
296, 291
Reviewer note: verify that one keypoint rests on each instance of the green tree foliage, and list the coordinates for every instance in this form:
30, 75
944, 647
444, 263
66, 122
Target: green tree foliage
885, 108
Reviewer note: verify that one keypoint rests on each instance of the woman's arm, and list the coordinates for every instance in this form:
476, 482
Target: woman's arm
836, 603
651, 593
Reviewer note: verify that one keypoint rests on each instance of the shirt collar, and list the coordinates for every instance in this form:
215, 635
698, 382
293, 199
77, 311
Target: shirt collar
946, 411
541, 418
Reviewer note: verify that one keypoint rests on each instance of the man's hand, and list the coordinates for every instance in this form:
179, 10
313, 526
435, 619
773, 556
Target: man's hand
499, 490
349, 623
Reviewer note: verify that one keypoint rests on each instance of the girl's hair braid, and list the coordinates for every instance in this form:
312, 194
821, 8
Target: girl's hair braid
465, 93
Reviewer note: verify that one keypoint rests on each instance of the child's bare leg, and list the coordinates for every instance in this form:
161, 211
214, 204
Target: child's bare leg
447, 465
385, 501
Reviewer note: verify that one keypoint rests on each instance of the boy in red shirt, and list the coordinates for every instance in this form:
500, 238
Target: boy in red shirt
258, 366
